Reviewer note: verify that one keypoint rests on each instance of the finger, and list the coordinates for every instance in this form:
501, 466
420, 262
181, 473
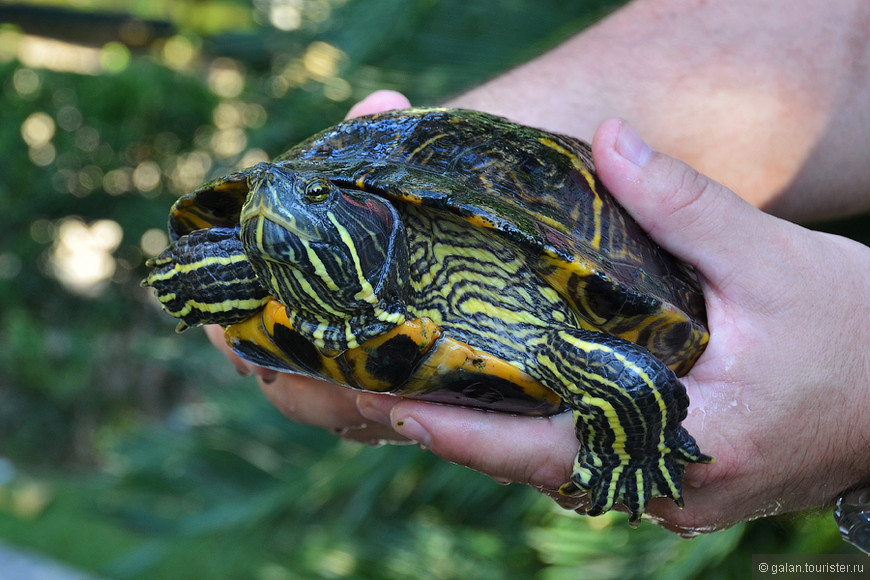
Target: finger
692, 216
312, 401
215, 334
303, 399
378, 102
315, 402
534, 450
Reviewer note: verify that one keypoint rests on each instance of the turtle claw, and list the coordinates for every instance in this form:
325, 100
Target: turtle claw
608, 489
627, 482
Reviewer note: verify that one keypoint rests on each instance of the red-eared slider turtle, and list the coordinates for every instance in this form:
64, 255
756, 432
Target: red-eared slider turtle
453, 256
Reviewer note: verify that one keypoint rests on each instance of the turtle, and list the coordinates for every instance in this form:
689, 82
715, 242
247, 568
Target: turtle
458, 257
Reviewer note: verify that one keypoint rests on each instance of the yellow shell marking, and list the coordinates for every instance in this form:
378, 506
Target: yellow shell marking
423, 332
579, 165
451, 355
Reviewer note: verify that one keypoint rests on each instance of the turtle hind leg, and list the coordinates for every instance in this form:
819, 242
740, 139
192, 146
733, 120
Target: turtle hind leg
608, 478
627, 408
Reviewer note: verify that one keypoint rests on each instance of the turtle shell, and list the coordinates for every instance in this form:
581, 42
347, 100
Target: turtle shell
537, 188
552, 280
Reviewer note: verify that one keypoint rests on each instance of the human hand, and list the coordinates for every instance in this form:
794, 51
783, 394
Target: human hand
312, 401
779, 396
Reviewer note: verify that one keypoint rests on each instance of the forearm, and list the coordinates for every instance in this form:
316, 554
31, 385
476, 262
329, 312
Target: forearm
768, 98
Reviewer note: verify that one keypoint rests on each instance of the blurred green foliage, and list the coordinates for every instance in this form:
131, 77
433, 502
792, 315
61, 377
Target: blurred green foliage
135, 453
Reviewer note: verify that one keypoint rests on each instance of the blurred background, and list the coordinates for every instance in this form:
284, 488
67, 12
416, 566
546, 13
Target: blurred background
129, 452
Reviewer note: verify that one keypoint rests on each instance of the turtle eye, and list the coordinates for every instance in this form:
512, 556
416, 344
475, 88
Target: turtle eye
317, 191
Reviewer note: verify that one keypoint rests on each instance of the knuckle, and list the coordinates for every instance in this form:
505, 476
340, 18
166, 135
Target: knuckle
690, 195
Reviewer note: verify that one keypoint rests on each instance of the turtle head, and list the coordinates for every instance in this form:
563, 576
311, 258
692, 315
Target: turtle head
336, 258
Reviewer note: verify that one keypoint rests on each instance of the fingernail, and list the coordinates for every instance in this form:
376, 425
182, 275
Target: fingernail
410, 428
243, 370
268, 377
376, 408
631, 147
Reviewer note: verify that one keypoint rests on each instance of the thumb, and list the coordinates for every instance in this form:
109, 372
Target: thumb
690, 215
378, 102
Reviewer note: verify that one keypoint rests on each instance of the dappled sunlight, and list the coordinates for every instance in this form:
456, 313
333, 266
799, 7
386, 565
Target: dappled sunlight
320, 63
252, 157
81, 258
37, 131
178, 52
146, 176
82, 160
60, 139
291, 15
322, 60
37, 52
153, 241
118, 181
229, 142
26, 82
226, 78
285, 14
58, 55
189, 170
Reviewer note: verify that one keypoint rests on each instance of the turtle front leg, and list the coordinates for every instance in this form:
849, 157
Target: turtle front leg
627, 407
205, 278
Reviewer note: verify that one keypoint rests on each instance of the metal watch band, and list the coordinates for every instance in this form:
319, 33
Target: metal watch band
852, 514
